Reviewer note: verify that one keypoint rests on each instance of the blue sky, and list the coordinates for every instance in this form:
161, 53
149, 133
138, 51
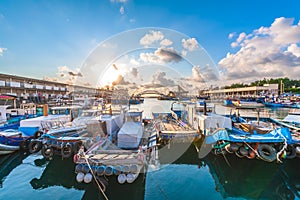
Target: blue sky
39, 37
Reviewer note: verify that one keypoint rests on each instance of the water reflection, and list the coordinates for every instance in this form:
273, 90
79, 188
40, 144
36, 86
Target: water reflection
60, 172
8, 163
254, 179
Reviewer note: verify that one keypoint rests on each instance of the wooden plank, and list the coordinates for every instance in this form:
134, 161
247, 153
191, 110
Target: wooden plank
99, 156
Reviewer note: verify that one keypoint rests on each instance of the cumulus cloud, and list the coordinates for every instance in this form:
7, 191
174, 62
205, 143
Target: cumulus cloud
150, 38
120, 81
160, 78
202, 74
166, 42
190, 44
2, 50
122, 10
231, 35
265, 52
134, 62
68, 76
134, 72
294, 49
161, 55
118, 1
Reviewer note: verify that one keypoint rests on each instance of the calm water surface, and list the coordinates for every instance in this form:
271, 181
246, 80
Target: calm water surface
180, 175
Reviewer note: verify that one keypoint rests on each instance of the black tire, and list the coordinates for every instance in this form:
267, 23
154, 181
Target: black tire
267, 152
290, 152
47, 152
67, 151
23, 145
35, 146
238, 154
38, 134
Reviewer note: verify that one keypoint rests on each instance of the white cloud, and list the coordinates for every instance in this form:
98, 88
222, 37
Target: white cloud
190, 44
2, 50
183, 52
166, 42
118, 1
152, 37
294, 49
265, 52
68, 76
231, 35
134, 72
161, 55
122, 11
134, 62
160, 78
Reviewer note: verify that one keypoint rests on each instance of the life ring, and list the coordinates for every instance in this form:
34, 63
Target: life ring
290, 152
47, 152
267, 152
35, 146
38, 134
66, 151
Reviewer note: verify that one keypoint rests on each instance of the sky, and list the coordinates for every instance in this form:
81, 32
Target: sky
200, 41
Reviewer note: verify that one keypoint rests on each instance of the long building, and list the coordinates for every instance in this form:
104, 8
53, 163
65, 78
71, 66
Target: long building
30, 88
244, 91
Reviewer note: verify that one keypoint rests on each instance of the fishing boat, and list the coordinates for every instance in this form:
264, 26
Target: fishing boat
242, 104
253, 139
66, 140
10, 118
173, 126
291, 121
120, 158
13, 140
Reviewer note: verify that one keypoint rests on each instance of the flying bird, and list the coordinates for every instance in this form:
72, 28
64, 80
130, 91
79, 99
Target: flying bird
115, 67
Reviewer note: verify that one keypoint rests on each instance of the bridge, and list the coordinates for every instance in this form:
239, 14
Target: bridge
149, 93
159, 91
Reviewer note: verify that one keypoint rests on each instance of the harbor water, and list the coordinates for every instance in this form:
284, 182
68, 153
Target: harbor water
179, 174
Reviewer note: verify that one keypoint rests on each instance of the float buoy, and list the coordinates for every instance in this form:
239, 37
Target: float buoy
131, 177
80, 177
133, 168
100, 170
267, 152
126, 169
88, 178
117, 170
122, 178
85, 169
109, 171
78, 168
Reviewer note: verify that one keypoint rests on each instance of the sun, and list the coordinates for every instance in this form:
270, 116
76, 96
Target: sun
111, 75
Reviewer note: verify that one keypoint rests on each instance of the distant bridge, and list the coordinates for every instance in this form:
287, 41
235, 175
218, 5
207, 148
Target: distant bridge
149, 93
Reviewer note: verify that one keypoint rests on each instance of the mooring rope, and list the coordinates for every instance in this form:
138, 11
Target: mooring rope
94, 176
